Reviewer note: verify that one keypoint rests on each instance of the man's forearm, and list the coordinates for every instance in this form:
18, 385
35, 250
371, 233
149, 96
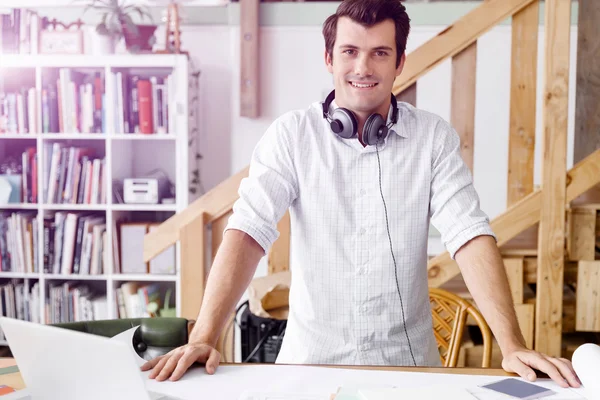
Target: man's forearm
234, 266
483, 270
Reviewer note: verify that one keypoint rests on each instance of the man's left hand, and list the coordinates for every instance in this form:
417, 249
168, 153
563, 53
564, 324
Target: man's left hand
522, 361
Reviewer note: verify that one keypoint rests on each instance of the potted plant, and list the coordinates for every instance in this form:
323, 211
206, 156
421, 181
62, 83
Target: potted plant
117, 23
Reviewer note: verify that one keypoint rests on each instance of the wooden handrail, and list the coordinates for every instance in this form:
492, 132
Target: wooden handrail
582, 177
455, 38
217, 202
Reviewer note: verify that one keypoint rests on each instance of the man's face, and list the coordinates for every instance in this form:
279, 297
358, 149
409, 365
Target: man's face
363, 64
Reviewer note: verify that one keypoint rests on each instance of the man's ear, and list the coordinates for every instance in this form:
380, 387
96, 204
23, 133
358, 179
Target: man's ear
401, 65
329, 62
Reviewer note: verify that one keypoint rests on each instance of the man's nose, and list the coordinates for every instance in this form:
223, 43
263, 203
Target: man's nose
362, 67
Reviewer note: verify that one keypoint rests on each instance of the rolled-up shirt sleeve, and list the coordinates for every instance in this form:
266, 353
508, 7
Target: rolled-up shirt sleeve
271, 185
454, 204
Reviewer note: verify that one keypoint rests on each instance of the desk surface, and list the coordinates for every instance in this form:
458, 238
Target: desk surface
14, 379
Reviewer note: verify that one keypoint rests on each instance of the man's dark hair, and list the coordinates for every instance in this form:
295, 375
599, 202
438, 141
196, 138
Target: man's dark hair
369, 13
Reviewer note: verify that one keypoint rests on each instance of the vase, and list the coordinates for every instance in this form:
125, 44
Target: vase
141, 42
103, 44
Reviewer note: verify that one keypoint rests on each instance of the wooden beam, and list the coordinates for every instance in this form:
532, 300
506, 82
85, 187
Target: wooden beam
515, 275
249, 51
582, 177
193, 245
525, 317
551, 254
464, 67
217, 202
279, 255
456, 38
523, 88
409, 95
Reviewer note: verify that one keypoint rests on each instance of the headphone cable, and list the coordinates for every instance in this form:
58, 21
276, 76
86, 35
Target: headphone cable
393, 258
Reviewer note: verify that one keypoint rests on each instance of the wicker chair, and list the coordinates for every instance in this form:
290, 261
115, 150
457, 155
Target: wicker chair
450, 314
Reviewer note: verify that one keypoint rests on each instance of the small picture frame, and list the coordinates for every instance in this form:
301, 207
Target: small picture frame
59, 38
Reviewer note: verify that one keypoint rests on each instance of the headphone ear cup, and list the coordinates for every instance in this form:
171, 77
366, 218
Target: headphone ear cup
343, 123
374, 130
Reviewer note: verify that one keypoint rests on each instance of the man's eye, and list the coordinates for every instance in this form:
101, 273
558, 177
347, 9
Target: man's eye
349, 52
381, 53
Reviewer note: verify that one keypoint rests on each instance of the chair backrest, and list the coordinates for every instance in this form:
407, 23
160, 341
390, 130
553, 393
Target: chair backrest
154, 337
450, 313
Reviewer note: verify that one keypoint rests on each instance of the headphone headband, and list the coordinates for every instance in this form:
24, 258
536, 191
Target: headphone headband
331, 96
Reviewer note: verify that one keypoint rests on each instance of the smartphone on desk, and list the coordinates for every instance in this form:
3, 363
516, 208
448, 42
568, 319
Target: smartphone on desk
519, 389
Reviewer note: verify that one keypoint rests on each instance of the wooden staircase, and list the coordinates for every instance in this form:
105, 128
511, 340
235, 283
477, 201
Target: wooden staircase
199, 229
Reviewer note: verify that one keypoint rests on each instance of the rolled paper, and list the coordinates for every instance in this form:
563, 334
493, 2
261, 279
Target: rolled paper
586, 363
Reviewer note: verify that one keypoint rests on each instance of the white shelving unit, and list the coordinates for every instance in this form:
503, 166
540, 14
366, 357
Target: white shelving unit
127, 155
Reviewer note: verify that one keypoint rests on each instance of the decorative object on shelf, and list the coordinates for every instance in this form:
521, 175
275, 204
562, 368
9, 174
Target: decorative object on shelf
166, 311
61, 38
117, 23
172, 21
10, 181
149, 189
7, 193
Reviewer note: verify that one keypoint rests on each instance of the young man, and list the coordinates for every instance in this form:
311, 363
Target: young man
361, 197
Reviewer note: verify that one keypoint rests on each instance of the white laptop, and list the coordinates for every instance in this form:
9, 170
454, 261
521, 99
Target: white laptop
58, 363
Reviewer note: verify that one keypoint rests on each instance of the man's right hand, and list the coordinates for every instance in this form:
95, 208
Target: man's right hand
174, 364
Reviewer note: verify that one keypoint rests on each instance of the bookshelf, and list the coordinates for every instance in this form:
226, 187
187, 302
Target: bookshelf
121, 154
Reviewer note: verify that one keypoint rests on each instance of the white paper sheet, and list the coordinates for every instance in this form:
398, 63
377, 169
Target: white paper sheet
430, 392
232, 382
127, 338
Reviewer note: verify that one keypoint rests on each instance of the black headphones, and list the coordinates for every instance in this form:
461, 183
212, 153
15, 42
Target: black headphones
344, 124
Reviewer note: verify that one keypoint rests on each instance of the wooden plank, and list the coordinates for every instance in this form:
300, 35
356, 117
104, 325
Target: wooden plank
588, 297
587, 98
464, 66
193, 267
530, 271
525, 317
409, 95
523, 88
583, 176
249, 58
514, 272
279, 255
581, 234
548, 327
455, 38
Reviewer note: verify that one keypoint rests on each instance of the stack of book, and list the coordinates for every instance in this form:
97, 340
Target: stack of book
19, 31
18, 242
73, 175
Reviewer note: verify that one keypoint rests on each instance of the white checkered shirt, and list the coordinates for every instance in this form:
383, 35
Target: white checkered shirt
344, 305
